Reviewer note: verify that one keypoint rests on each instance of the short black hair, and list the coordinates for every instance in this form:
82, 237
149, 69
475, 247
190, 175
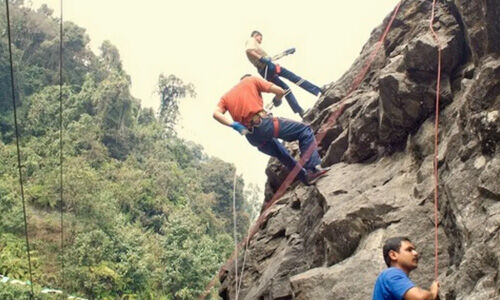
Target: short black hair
245, 76
255, 32
394, 244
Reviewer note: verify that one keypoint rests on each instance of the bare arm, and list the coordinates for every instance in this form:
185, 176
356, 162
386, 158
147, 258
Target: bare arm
416, 293
279, 92
219, 116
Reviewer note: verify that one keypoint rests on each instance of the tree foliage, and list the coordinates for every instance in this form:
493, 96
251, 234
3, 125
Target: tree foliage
171, 89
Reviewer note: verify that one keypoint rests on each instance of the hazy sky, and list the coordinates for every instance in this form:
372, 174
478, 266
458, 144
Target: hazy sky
203, 42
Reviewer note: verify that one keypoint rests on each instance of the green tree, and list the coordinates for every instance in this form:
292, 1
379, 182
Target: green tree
191, 257
116, 109
218, 178
110, 56
171, 89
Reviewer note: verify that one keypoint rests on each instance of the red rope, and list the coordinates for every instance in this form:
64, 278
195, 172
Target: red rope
436, 142
305, 156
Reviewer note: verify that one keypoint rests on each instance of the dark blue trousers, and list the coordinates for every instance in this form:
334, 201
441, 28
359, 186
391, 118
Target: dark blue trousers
290, 97
263, 138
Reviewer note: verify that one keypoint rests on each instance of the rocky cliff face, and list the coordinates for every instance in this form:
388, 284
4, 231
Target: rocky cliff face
324, 241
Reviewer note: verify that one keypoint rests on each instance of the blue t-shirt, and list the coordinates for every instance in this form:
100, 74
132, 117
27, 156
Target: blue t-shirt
391, 284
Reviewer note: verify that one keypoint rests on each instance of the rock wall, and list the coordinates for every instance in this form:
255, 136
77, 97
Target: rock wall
324, 241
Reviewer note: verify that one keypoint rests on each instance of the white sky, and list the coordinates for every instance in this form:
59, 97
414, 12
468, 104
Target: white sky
203, 42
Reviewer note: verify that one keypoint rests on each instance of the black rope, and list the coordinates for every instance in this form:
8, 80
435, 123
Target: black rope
61, 144
17, 144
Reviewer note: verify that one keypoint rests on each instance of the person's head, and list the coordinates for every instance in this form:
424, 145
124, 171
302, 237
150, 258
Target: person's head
400, 252
245, 76
257, 36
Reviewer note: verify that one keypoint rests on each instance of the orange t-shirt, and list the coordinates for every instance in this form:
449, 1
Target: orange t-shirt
244, 100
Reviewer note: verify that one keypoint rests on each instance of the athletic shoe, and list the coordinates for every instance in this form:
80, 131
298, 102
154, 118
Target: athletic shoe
305, 113
313, 176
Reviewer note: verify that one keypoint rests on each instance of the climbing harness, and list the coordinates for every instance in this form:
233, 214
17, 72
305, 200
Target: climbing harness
271, 105
276, 57
276, 127
256, 121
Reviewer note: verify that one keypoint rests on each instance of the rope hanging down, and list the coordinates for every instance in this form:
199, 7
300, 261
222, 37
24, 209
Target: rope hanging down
17, 147
242, 269
237, 283
61, 190
436, 144
319, 137
235, 234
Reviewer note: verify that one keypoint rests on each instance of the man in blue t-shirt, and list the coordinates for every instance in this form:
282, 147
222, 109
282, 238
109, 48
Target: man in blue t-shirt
393, 283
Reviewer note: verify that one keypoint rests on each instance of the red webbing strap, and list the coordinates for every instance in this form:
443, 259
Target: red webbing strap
305, 156
436, 143
276, 127
278, 69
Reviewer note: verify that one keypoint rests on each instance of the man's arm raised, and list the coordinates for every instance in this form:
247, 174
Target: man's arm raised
416, 293
279, 92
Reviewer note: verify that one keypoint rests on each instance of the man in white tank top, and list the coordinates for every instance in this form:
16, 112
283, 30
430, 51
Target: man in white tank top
272, 72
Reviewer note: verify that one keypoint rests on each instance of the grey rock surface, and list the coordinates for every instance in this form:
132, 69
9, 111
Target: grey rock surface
324, 241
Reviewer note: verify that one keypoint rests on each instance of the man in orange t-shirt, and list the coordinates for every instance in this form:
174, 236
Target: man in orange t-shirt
245, 105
